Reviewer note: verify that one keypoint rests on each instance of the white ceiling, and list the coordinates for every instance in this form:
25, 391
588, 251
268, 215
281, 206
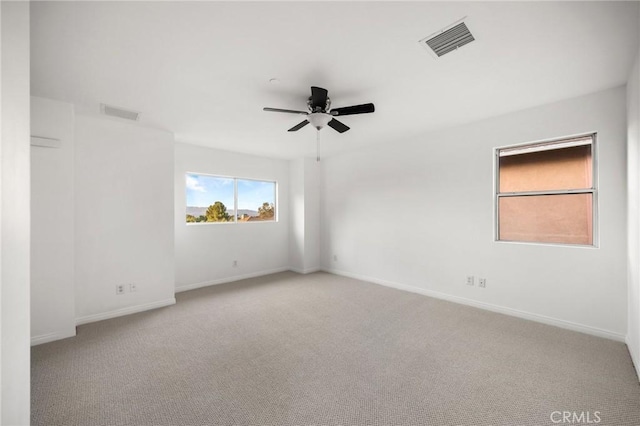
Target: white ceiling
202, 69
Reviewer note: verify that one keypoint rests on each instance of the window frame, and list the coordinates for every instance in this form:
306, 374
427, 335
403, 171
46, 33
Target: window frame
593, 190
276, 217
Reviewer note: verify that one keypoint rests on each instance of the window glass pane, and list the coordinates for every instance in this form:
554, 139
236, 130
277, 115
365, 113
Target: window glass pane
556, 169
209, 198
565, 219
256, 200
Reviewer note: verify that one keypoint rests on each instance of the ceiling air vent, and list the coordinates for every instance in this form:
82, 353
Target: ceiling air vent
119, 112
448, 40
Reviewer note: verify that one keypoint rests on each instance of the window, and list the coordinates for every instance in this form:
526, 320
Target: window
256, 200
545, 192
216, 199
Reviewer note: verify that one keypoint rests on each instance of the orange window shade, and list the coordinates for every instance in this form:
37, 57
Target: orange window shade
556, 169
565, 218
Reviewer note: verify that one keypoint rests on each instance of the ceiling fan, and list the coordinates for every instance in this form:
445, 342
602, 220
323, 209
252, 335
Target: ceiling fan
320, 113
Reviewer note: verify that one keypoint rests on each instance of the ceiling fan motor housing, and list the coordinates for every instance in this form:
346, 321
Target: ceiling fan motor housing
318, 108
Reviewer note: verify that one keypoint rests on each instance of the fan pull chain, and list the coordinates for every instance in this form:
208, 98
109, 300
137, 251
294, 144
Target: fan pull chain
318, 145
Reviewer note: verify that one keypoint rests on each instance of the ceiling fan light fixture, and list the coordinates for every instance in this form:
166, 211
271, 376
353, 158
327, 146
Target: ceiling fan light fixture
319, 119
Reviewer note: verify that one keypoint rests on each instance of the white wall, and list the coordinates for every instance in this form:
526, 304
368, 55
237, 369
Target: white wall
304, 221
14, 214
311, 215
123, 217
419, 214
205, 252
296, 217
633, 214
52, 223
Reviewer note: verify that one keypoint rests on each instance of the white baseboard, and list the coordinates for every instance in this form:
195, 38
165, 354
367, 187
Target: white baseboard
487, 306
193, 286
305, 271
50, 337
125, 311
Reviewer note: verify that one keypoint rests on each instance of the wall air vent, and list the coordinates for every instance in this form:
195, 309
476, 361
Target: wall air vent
45, 142
119, 112
449, 39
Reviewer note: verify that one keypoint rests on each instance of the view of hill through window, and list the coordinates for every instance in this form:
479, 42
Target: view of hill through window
212, 199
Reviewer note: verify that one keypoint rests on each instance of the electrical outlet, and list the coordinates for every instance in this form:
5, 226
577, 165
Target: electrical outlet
335, 257
120, 288
482, 282
235, 263
133, 288
470, 280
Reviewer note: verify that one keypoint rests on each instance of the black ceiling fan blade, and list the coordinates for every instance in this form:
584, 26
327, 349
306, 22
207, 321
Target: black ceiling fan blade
318, 97
356, 109
338, 126
298, 126
288, 111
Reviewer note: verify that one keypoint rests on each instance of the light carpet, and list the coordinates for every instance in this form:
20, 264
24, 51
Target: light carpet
319, 349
